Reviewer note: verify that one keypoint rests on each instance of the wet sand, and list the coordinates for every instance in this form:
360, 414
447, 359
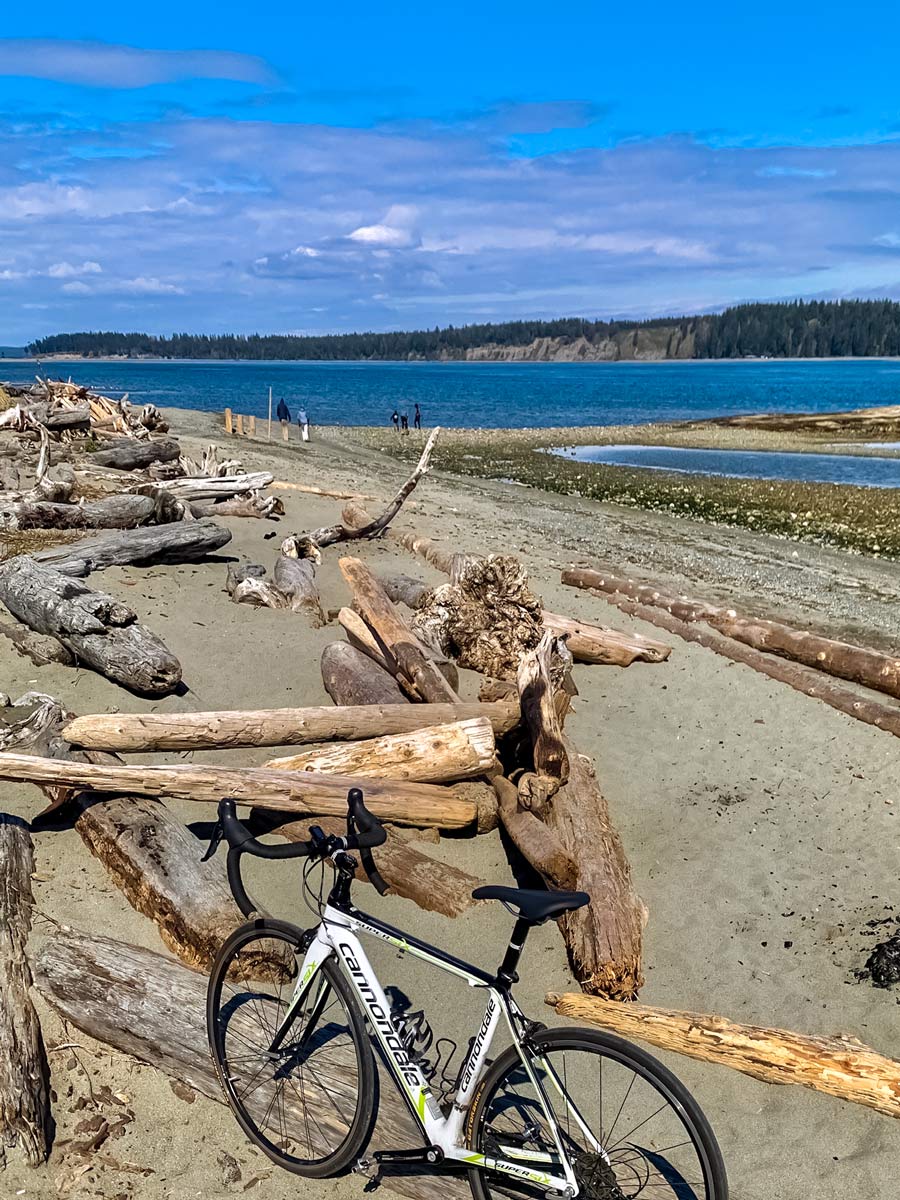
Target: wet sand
761, 825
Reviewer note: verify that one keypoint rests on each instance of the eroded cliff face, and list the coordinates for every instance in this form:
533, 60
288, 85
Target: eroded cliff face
637, 345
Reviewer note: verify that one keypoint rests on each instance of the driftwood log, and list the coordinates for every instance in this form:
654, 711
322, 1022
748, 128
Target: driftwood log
255, 505
155, 862
24, 1074
401, 648
353, 678
802, 679
839, 1065
295, 578
128, 454
435, 754
153, 1008
361, 636
854, 663
99, 631
348, 531
537, 844
589, 643
542, 722
603, 938
218, 487
410, 873
285, 791
273, 726
184, 541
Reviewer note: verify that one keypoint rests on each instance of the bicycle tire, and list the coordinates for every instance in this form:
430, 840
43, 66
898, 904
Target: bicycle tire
487, 1185
250, 997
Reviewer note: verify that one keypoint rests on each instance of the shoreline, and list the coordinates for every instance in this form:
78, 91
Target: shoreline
475, 362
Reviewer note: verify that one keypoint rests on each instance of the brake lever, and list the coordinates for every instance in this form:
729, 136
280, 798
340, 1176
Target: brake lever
214, 842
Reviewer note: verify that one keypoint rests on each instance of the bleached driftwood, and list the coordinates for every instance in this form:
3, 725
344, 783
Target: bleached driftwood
285, 791
839, 1065
152, 731
435, 754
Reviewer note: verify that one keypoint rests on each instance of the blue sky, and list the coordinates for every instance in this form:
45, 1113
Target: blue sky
328, 167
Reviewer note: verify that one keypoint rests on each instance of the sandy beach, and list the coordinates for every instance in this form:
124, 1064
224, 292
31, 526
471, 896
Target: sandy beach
762, 826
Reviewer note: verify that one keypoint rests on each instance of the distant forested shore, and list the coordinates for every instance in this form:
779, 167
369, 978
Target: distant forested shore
800, 329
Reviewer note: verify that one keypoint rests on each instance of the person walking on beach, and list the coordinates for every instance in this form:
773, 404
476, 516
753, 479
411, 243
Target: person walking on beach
404, 422
303, 422
417, 419
395, 417
284, 416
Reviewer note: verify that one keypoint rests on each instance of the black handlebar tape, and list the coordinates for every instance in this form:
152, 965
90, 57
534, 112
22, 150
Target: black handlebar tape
371, 831
242, 841
372, 871
243, 901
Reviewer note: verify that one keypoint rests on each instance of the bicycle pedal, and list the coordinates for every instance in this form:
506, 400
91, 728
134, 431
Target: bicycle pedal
367, 1167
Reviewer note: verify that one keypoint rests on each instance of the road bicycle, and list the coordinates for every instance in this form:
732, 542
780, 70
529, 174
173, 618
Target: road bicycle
293, 1015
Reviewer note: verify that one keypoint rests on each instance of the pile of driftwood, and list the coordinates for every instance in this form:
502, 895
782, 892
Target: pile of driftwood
108, 482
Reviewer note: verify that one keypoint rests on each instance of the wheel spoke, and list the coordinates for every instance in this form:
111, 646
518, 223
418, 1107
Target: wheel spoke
302, 1103
589, 1075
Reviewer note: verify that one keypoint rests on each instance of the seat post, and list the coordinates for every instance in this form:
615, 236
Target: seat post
507, 973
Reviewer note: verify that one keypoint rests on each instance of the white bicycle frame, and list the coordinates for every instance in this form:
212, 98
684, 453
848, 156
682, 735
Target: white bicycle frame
336, 935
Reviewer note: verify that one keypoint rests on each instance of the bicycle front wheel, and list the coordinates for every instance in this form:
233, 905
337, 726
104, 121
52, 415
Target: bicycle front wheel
629, 1128
299, 1079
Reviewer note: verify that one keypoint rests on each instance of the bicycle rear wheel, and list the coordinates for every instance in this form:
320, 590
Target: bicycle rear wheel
301, 1085
628, 1126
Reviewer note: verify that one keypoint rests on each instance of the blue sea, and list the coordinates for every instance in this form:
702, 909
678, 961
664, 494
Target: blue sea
493, 394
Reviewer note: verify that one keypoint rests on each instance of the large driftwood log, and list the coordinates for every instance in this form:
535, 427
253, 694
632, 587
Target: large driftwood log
128, 454
24, 1074
155, 862
329, 534
286, 791
603, 938
99, 631
218, 487
599, 644
273, 726
353, 678
802, 679
295, 577
432, 885
855, 663
839, 1066
184, 541
435, 754
400, 647
116, 511
153, 1008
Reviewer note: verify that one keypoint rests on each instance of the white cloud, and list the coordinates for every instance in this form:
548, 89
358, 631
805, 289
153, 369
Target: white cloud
100, 64
66, 270
396, 231
144, 285
76, 288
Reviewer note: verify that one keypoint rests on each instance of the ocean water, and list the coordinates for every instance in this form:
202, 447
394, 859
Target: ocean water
747, 464
493, 394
